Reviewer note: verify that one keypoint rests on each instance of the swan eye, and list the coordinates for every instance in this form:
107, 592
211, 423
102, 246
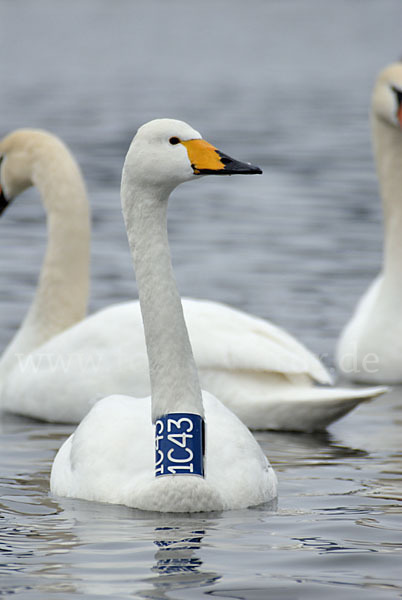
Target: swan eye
174, 141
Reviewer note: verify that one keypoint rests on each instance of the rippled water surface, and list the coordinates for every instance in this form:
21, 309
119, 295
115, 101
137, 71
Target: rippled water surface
285, 85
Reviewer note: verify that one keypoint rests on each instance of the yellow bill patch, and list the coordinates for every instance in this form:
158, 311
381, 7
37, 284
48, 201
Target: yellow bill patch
203, 156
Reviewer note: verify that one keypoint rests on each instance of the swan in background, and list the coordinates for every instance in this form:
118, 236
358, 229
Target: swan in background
54, 370
116, 455
34, 157
370, 347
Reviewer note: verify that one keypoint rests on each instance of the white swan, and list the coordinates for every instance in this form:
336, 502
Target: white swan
55, 372
112, 456
34, 157
370, 347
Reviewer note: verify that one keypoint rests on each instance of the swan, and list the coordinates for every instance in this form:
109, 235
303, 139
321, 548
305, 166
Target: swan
370, 346
59, 364
34, 157
149, 453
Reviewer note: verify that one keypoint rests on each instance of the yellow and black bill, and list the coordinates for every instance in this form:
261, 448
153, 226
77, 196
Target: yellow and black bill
207, 160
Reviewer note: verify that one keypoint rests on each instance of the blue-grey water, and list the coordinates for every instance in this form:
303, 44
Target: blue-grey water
283, 84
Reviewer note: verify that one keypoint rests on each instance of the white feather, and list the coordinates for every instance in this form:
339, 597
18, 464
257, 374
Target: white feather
370, 346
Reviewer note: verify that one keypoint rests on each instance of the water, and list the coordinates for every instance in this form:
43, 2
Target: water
285, 85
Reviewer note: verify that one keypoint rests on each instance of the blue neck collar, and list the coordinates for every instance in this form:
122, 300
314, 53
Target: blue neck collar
179, 444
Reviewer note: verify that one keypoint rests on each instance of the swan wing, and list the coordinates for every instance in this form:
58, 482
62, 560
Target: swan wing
105, 354
226, 338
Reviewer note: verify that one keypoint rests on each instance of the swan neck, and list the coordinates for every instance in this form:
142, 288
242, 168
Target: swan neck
388, 150
174, 379
62, 291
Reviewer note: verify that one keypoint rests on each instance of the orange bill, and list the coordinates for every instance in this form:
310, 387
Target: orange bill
208, 160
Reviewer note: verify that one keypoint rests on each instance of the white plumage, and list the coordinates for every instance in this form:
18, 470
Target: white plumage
111, 455
370, 347
259, 371
59, 364
107, 460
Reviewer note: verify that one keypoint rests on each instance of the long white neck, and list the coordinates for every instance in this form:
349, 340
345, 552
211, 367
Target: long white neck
388, 153
174, 379
62, 293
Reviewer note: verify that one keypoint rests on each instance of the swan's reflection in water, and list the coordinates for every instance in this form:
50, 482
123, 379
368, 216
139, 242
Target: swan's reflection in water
177, 563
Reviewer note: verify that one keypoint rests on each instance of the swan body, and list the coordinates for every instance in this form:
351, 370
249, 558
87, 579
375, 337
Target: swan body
59, 364
259, 371
111, 455
370, 347
120, 470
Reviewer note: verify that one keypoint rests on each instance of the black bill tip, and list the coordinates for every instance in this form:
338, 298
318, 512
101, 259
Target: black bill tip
237, 167
3, 201
232, 166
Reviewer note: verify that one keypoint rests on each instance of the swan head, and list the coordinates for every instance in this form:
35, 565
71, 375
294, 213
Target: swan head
387, 95
34, 157
15, 166
167, 152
